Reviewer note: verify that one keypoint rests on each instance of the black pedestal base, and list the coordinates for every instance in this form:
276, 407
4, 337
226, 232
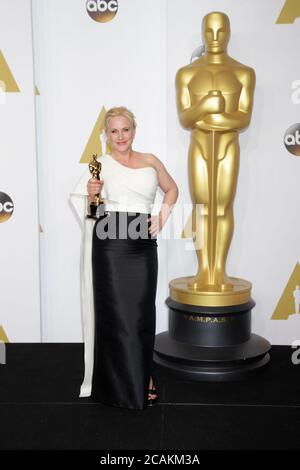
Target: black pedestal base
210, 343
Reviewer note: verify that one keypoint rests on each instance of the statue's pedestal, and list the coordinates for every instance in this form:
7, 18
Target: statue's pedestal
211, 343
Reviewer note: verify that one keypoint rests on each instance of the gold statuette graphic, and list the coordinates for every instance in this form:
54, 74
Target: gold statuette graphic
95, 168
210, 312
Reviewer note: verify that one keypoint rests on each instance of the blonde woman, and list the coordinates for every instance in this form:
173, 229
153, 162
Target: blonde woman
125, 267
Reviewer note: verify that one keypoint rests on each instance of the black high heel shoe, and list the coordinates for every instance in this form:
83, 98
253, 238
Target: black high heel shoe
152, 401
152, 391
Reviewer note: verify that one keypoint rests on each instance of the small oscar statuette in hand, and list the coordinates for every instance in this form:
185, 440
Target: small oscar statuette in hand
95, 168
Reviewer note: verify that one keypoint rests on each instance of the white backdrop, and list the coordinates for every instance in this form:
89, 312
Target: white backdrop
19, 235
81, 65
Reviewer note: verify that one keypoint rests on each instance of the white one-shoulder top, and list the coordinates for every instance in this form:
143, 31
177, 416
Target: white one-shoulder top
127, 189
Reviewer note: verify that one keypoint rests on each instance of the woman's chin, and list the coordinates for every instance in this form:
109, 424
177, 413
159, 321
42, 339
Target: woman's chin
121, 148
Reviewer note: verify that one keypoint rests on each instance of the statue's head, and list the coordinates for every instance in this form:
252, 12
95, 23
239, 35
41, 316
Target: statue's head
216, 31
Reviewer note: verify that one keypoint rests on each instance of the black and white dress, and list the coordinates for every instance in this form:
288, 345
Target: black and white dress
124, 268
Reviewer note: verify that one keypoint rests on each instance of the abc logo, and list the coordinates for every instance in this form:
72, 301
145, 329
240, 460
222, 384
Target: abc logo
102, 10
292, 139
6, 207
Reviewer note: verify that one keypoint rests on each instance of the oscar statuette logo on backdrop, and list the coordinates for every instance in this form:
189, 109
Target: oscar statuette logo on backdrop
289, 13
94, 144
102, 11
7, 79
289, 302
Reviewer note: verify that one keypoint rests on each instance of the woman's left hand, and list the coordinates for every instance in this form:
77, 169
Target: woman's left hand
157, 222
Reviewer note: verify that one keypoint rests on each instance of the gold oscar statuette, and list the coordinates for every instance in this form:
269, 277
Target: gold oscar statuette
214, 102
95, 169
210, 312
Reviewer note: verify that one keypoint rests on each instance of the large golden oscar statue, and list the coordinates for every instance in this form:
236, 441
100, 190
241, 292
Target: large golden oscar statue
210, 313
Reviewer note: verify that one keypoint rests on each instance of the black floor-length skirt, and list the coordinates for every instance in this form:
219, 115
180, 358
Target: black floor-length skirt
125, 267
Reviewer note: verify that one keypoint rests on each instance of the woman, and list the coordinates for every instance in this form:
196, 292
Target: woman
125, 269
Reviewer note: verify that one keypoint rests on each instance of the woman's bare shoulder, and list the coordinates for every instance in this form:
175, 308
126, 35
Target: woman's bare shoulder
152, 160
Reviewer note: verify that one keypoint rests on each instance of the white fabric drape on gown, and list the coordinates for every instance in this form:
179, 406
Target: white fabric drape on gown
79, 200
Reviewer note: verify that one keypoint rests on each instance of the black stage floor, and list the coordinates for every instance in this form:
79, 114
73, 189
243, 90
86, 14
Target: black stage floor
40, 407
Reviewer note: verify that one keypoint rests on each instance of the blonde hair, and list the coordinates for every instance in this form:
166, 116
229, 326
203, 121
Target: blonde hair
119, 111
